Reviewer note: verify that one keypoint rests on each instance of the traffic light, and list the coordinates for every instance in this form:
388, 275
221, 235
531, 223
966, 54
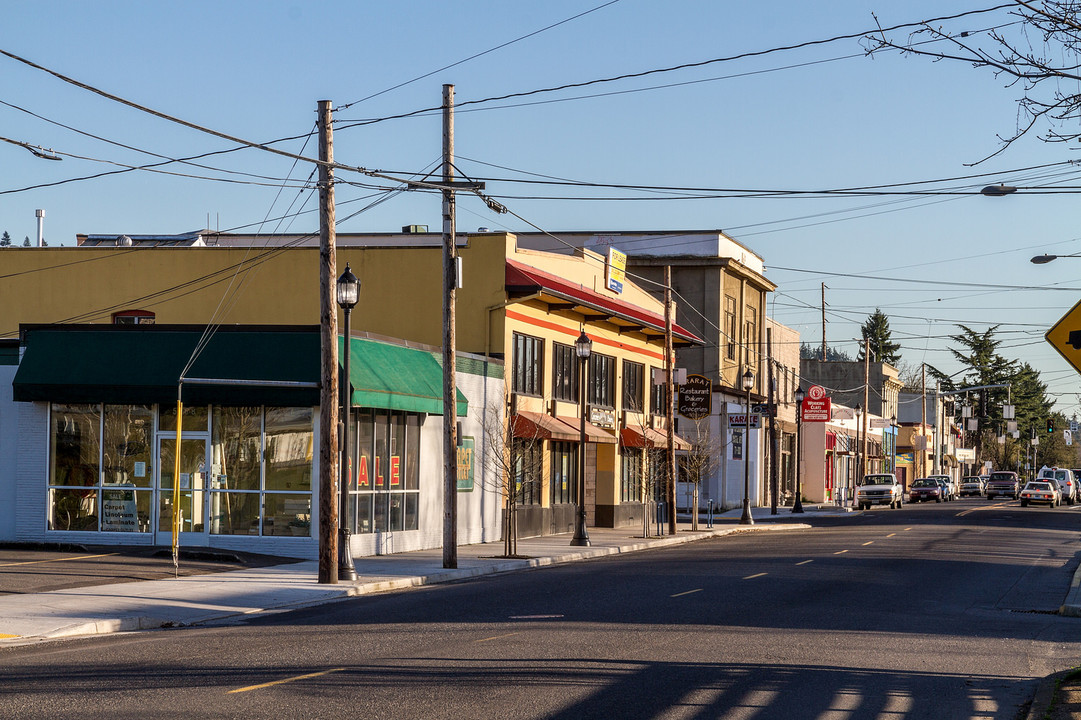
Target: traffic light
1050, 426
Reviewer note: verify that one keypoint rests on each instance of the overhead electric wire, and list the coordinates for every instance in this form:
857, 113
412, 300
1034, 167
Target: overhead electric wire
480, 54
685, 66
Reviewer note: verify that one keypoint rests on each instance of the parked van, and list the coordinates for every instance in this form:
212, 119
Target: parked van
1067, 483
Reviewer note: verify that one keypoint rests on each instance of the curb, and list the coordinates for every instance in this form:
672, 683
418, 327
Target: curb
346, 590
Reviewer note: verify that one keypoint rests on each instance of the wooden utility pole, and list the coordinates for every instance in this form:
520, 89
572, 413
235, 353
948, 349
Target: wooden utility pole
866, 401
450, 399
669, 406
774, 450
328, 333
823, 322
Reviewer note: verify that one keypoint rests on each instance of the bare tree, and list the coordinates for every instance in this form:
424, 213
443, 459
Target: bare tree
514, 458
1035, 51
704, 456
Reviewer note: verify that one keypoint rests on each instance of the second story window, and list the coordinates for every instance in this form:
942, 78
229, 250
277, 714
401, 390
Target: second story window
528, 364
750, 337
564, 373
632, 386
730, 326
601, 391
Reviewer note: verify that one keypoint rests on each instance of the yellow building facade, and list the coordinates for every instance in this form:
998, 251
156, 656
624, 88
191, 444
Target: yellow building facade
524, 307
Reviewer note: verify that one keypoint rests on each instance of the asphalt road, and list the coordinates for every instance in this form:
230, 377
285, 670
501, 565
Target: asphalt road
933, 611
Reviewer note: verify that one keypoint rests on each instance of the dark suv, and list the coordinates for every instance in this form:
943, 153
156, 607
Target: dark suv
1003, 483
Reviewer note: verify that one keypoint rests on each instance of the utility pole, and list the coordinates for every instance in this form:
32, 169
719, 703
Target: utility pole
866, 401
450, 399
823, 322
773, 448
328, 332
669, 406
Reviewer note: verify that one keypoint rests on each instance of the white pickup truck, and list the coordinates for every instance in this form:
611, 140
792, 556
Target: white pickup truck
879, 489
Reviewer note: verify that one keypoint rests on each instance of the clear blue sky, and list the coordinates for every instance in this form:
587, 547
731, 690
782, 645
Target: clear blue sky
819, 117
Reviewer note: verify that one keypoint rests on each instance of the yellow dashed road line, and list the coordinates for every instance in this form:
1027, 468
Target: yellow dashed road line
285, 680
752, 577
688, 592
840, 552
805, 562
496, 637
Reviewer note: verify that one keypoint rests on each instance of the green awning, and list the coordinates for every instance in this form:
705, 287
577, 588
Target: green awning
393, 377
141, 365
122, 365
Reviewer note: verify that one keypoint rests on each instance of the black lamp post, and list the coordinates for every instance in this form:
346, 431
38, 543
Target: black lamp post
348, 291
583, 346
745, 518
797, 507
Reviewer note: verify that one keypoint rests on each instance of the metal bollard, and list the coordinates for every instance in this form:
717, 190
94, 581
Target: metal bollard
660, 518
709, 513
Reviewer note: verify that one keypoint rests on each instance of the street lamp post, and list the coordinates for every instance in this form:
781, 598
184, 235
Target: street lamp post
348, 291
745, 518
583, 346
797, 507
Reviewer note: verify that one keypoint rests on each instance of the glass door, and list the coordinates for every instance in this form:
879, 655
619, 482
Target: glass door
192, 485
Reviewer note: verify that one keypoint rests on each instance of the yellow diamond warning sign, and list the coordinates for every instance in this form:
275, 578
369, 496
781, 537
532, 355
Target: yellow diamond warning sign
1065, 336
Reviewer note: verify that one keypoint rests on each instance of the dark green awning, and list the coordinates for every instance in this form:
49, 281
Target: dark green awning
141, 365
137, 365
393, 377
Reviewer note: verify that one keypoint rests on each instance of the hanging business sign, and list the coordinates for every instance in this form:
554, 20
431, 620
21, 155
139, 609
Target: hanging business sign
816, 405
740, 420
695, 397
616, 270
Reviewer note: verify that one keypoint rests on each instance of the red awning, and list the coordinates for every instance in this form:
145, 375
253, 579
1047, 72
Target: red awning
594, 434
650, 438
527, 279
545, 427
542, 427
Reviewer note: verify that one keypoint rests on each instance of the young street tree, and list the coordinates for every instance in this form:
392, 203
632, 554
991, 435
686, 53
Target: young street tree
877, 334
1035, 51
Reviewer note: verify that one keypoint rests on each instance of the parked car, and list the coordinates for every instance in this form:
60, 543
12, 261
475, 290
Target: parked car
1065, 479
1002, 483
971, 486
1040, 491
925, 489
953, 487
879, 489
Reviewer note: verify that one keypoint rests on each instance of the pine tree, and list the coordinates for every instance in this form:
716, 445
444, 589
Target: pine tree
26, 241
809, 352
5, 239
876, 332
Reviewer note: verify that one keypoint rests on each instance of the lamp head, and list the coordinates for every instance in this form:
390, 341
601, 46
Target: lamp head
1042, 259
583, 346
800, 395
748, 379
348, 288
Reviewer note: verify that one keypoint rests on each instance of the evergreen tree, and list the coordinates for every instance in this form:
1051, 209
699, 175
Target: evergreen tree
26, 241
814, 352
5, 239
876, 333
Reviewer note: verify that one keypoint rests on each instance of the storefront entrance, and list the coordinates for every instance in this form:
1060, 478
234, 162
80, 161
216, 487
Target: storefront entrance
193, 464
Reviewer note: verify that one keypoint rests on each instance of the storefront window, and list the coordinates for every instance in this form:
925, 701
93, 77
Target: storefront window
630, 482
127, 468
74, 463
196, 418
289, 449
387, 492
564, 471
236, 468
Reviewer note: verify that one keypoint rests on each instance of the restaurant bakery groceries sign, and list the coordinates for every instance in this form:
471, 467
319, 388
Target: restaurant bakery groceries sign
816, 405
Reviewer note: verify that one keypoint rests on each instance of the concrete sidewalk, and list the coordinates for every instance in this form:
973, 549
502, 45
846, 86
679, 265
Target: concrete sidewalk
31, 618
